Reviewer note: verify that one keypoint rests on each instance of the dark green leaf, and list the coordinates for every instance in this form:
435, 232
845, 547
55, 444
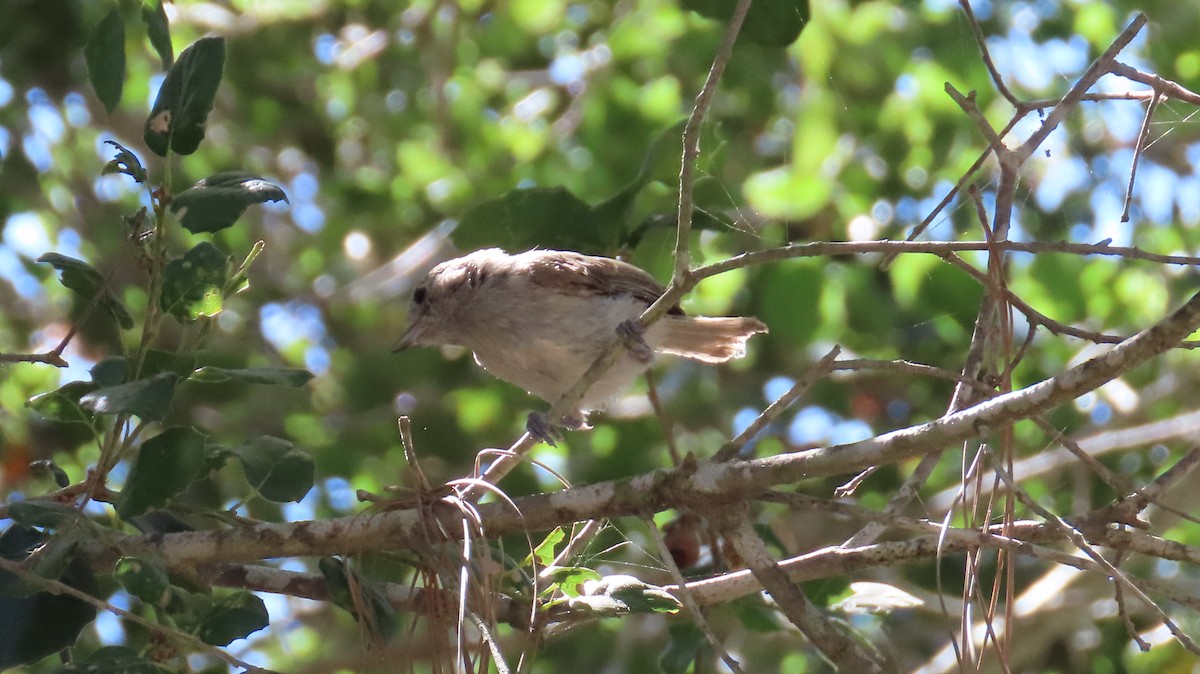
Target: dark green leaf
219, 200
365, 593
109, 372
63, 404
176, 121
145, 579
80, 277
276, 468
193, 285
125, 162
233, 617
34, 626
110, 660
159, 32
771, 23
281, 376
684, 645
165, 466
105, 56
148, 398
45, 514
549, 217
47, 466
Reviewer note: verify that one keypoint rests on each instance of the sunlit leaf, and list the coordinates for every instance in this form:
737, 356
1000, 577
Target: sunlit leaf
193, 285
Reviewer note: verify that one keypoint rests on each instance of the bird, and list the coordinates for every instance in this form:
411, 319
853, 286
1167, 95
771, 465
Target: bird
540, 318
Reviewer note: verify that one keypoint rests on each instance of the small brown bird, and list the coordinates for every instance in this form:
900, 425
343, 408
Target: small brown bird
539, 319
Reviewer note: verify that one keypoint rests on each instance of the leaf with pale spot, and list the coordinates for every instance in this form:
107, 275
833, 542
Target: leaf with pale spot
176, 121
193, 285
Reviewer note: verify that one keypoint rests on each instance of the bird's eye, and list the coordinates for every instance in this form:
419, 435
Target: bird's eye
419, 295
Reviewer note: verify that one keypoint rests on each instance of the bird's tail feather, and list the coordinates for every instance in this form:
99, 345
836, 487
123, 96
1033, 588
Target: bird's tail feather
708, 340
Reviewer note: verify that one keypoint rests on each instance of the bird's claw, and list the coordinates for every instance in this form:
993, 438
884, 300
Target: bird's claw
538, 426
631, 336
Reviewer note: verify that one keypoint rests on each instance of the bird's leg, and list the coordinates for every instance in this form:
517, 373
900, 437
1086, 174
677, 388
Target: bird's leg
631, 336
537, 425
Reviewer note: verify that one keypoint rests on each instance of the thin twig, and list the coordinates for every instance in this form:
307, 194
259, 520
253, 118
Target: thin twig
820, 369
691, 143
1139, 148
689, 602
844, 652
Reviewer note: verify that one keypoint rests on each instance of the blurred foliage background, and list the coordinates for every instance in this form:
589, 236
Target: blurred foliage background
398, 129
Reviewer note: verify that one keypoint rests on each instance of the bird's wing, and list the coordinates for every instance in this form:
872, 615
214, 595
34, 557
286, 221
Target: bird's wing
587, 274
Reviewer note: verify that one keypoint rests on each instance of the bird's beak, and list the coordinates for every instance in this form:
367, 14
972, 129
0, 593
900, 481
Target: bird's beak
411, 337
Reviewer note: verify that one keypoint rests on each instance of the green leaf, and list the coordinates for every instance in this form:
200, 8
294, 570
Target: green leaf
105, 57
193, 285
109, 372
148, 398
165, 466
682, 648
86, 282
124, 162
549, 217
45, 514
544, 552
771, 23
621, 594
111, 659
571, 580
159, 32
176, 121
366, 594
34, 626
233, 617
145, 579
63, 404
276, 468
220, 199
280, 376
48, 467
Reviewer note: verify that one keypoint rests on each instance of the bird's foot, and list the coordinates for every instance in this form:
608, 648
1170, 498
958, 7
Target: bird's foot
538, 426
631, 336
